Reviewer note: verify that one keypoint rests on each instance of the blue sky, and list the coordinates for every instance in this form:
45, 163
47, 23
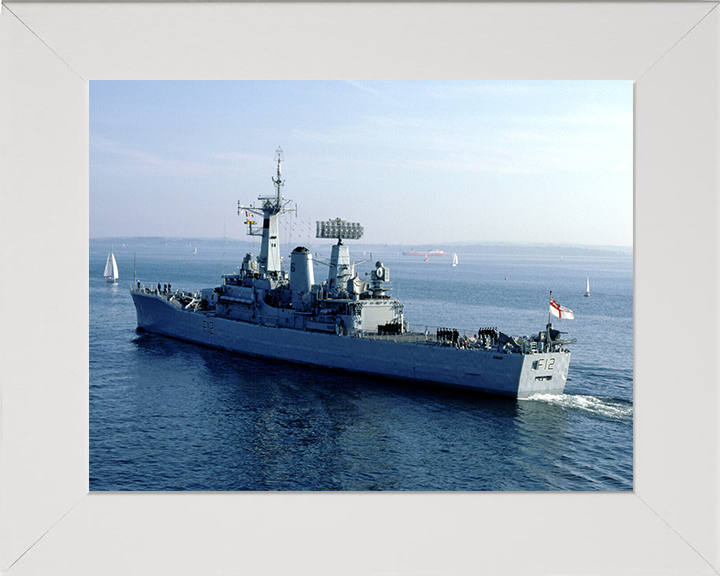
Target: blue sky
414, 162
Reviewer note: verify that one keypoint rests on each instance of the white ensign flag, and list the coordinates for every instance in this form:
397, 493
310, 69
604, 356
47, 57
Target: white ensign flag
560, 311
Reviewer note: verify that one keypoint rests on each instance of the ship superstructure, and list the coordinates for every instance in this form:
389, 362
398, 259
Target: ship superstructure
344, 322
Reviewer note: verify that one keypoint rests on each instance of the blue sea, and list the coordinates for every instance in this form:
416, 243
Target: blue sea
169, 415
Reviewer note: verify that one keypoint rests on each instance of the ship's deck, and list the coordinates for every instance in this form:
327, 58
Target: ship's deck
416, 334
429, 336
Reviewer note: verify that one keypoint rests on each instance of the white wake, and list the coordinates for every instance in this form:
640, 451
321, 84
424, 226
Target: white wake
606, 407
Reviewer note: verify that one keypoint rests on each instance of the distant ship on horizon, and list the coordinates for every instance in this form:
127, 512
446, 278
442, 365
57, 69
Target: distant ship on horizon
434, 252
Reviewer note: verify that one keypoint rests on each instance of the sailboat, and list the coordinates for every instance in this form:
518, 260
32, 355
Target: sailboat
587, 290
454, 259
111, 269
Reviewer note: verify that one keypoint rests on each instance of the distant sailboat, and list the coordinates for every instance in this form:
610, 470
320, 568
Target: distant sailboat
111, 269
427, 257
587, 290
195, 251
454, 259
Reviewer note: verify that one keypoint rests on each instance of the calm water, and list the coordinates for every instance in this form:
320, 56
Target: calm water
166, 415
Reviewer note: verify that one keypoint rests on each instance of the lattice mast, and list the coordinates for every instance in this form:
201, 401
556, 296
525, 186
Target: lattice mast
272, 207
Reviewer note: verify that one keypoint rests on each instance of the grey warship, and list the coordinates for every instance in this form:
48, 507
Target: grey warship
343, 322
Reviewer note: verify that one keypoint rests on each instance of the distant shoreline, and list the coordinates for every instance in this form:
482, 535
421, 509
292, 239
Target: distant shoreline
461, 248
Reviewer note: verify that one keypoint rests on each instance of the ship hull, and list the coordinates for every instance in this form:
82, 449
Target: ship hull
515, 375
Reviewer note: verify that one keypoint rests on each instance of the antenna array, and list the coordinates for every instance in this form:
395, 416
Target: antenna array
339, 228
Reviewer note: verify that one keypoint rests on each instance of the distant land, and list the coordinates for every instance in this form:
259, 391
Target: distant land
509, 249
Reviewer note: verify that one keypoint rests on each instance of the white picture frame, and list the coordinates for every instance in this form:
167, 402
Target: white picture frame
49, 523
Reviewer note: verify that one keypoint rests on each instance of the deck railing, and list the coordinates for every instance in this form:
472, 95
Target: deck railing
466, 338
420, 333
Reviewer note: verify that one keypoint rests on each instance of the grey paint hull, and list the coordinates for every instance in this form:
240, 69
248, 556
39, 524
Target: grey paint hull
516, 375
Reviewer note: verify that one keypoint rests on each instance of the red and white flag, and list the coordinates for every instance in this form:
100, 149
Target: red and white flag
560, 311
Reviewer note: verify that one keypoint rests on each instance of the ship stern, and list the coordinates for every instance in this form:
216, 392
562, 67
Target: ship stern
544, 374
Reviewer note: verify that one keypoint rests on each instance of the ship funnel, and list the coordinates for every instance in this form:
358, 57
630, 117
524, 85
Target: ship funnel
301, 270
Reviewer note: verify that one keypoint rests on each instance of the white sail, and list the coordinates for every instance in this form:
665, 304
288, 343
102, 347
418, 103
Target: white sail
587, 290
111, 269
454, 260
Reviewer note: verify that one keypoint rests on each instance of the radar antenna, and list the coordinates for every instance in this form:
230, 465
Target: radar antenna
338, 228
341, 269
